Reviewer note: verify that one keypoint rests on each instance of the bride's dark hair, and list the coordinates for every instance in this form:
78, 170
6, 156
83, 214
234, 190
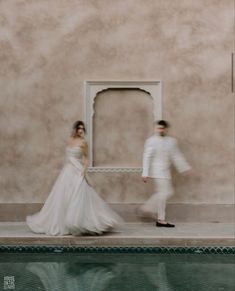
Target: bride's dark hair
76, 127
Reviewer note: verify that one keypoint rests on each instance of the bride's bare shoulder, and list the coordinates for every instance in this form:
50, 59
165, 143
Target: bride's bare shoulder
73, 142
84, 143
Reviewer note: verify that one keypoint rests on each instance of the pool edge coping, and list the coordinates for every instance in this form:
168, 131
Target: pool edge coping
117, 249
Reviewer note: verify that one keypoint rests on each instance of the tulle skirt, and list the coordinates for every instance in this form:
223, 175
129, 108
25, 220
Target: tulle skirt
73, 207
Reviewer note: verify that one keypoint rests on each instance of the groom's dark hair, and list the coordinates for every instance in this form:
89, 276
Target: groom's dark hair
163, 123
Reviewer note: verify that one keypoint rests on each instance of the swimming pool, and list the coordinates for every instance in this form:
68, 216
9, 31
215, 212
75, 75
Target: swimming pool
70, 271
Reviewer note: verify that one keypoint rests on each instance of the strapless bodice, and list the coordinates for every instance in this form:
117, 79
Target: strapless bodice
74, 152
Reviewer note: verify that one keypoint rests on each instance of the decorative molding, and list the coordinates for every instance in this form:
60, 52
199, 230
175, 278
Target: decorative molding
92, 88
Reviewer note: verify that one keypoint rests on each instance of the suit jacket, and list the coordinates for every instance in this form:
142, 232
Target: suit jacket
159, 153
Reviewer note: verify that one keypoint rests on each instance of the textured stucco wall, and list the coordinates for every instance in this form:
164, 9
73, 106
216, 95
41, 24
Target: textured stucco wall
48, 48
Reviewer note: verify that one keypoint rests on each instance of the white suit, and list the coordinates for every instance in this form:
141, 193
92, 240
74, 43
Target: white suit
159, 153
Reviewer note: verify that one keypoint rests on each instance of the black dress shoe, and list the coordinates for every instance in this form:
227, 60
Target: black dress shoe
164, 224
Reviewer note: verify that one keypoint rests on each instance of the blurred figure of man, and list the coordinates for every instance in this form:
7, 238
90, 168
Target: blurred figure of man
160, 152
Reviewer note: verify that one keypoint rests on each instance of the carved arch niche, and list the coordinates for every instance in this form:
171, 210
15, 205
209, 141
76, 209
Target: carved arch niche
119, 117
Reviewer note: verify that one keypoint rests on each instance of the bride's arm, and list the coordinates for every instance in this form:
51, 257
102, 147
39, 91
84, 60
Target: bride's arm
85, 158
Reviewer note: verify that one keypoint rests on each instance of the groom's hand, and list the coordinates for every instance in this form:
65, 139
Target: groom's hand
145, 179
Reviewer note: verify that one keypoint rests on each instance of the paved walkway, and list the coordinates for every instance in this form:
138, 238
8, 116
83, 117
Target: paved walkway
130, 234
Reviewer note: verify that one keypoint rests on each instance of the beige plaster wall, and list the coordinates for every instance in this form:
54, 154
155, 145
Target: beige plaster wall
48, 48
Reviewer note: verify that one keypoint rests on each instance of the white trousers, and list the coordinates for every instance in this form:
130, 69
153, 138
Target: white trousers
157, 202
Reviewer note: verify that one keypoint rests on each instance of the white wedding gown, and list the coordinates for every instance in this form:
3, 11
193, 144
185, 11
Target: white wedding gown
73, 207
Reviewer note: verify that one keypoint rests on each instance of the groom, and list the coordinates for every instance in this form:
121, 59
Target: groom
159, 152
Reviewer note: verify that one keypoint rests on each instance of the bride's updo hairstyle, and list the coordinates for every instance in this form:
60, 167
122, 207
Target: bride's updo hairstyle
76, 126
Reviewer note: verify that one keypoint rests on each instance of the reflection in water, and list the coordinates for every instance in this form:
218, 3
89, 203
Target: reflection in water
100, 276
71, 277
115, 272
158, 277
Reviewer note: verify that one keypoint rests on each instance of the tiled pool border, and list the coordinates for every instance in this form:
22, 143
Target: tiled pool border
117, 249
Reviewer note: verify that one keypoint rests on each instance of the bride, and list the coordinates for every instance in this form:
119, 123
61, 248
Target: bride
73, 207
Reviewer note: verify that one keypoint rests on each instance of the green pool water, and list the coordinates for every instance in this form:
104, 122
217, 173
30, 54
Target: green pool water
117, 272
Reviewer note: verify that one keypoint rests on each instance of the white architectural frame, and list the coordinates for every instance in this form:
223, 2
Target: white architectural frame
92, 88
